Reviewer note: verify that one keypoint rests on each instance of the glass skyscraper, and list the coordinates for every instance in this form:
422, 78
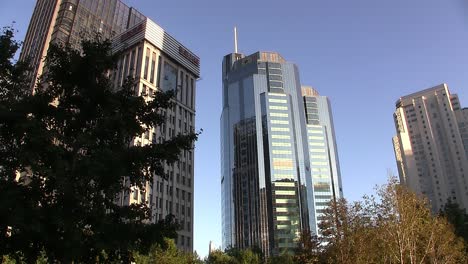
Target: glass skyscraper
277, 171
323, 154
69, 22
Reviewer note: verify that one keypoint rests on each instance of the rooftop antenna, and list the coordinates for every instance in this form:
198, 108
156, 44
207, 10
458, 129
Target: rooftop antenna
235, 39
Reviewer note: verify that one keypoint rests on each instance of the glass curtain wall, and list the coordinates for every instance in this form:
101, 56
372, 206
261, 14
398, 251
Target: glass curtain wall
262, 172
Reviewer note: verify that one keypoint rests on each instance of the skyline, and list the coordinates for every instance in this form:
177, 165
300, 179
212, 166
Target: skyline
404, 50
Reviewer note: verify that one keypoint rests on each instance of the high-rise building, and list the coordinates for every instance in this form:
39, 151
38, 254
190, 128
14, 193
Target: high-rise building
269, 191
157, 61
323, 153
69, 21
462, 118
430, 145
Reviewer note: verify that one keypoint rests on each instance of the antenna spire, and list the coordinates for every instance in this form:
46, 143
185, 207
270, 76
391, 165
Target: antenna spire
235, 39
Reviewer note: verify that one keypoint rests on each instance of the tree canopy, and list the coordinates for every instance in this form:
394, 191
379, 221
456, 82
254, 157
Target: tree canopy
65, 150
396, 226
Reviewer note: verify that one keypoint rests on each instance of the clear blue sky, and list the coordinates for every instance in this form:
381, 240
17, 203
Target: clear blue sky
363, 54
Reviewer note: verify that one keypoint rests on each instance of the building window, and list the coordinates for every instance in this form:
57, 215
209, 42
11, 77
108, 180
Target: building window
153, 64
140, 55
181, 91
192, 88
170, 77
158, 77
145, 74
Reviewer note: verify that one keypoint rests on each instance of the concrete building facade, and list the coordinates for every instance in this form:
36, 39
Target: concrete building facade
430, 145
157, 61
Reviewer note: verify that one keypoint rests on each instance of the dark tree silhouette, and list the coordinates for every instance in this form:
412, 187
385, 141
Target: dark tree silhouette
458, 218
64, 151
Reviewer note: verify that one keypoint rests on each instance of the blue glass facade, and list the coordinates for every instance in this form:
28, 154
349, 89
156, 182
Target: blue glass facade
266, 180
323, 154
69, 22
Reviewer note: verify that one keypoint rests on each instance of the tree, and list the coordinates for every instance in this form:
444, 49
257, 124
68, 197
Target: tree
234, 256
346, 233
219, 257
395, 227
285, 258
308, 250
65, 151
166, 254
245, 256
412, 234
457, 217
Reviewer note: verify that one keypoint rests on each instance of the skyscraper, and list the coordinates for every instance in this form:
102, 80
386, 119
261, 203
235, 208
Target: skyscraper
323, 153
267, 187
69, 21
157, 61
430, 145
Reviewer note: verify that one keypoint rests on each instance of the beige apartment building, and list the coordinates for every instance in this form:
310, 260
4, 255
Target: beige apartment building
431, 145
156, 60
159, 62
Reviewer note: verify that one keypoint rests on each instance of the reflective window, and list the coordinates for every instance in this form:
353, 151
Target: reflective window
169, 81
274, 71
274, 107
280, 144
280, 129
281, 122
272, 100
153, 65
281, 136
317, 150
145, 73
316, 144
316, 137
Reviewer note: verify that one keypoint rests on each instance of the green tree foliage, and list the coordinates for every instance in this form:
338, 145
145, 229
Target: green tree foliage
245, 256
234, 256
166, 254
457, 217
395, 227
219, 257
283, 259
344, 232
64, 152
308, 250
